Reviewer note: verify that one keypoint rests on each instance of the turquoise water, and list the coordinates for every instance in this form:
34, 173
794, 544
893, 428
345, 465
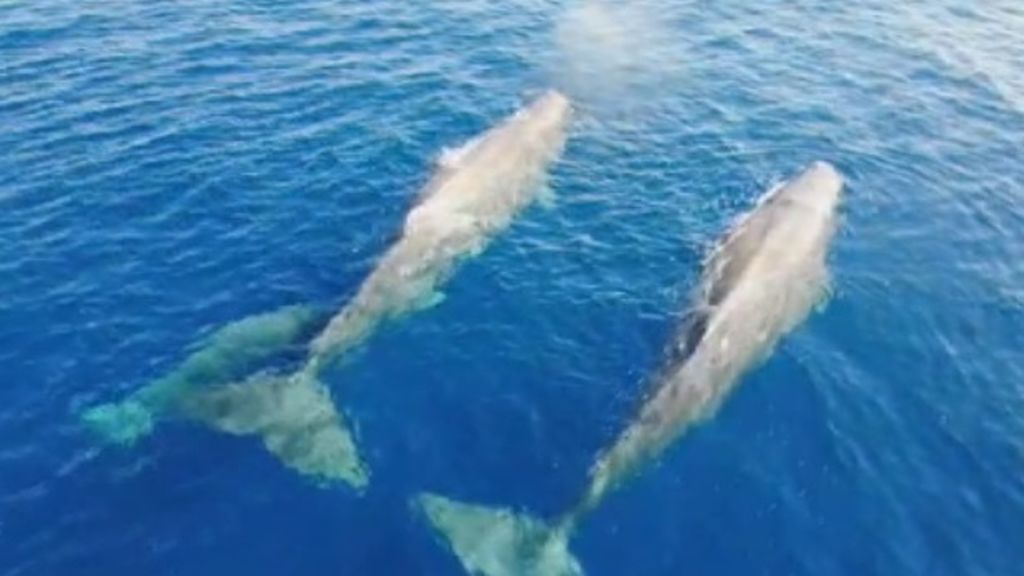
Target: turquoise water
168, 168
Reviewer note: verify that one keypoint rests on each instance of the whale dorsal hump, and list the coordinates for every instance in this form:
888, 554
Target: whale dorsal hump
447, 163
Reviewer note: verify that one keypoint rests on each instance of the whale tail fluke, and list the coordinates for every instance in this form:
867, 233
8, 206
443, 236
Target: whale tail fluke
228, 354
499, 542
296, 419
123, 423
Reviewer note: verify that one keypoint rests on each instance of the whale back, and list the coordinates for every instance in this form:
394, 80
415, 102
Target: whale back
724, 269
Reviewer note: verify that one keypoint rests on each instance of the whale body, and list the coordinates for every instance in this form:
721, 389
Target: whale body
475, 193
760, 282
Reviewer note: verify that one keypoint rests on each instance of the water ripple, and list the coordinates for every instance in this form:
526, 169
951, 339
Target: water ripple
169, 167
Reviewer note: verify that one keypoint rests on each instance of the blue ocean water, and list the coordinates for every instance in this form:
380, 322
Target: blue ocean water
169, 167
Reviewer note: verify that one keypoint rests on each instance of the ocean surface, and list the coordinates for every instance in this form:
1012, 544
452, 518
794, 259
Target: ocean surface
169, 167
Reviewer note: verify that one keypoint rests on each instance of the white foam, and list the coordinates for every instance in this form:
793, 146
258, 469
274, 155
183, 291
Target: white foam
452, 158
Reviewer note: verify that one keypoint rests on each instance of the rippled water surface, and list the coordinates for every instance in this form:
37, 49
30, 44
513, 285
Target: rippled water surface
168, 167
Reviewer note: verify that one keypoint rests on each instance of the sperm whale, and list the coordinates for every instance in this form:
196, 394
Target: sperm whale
475, 193
761, 281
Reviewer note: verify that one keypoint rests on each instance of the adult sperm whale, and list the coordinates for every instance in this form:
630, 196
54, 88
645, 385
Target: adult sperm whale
762, 280
475, 193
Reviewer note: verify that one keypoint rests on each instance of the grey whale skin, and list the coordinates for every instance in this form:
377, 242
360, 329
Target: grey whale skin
475, 192
760, 282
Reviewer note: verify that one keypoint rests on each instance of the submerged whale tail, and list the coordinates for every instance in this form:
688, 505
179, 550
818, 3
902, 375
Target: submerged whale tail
228, 354
499, 542
296, 419
123, 423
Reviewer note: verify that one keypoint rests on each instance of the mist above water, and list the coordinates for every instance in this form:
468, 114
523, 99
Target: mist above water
614, 53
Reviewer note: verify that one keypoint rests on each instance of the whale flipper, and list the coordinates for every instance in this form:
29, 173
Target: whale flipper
429, 300
296, 419
499, 542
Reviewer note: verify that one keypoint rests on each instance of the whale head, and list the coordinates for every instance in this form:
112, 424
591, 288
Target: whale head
819, 188
549, 115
